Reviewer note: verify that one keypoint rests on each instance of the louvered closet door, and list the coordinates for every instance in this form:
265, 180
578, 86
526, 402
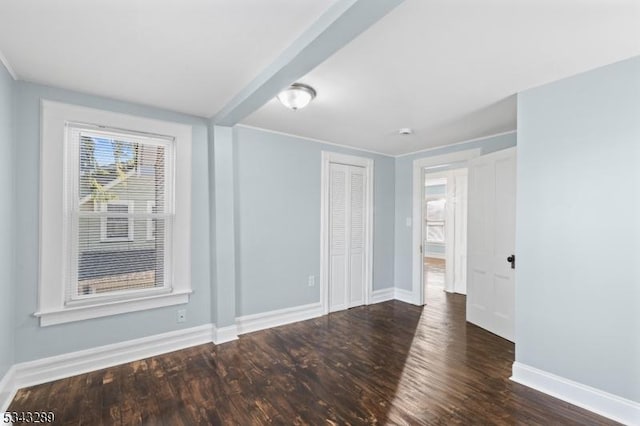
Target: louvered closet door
356, 236
346, 248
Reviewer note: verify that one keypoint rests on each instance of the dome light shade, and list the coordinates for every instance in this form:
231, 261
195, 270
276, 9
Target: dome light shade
296, 96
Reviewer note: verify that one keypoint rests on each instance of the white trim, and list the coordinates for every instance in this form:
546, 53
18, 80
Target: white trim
508, 132
379, 296
603, 403
276, 132
54, 269
327, 158
406, 296
45, 370
425, 150
115, 307
224, 334
11, 72
419, 165
262, 321
7, 390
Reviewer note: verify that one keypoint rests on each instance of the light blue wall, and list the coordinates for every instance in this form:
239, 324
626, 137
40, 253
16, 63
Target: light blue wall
34, 342
224, 241
403, 206
578, 229
6, 221
278, 219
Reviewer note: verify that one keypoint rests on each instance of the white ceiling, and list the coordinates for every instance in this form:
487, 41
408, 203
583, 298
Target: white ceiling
190, 56
450, 68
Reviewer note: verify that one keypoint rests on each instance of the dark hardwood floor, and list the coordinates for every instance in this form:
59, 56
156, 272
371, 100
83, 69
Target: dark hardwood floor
390, 363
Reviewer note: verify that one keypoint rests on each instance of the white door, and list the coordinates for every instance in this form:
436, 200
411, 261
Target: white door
491, 240
347, 236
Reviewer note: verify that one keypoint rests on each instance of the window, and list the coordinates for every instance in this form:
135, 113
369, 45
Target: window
436, 220
125, 235
117, 228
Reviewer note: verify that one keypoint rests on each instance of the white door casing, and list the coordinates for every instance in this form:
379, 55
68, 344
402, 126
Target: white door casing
456, 228
491, 239
461, 157
460, 232
346, 231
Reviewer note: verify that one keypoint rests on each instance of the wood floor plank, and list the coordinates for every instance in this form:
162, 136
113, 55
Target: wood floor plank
390, 363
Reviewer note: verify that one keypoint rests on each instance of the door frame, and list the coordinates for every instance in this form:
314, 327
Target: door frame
417, 287
329, 157
449, 219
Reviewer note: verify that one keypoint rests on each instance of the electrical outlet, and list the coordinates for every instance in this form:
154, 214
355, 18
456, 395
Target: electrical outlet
312, 280
182, 315
408, 222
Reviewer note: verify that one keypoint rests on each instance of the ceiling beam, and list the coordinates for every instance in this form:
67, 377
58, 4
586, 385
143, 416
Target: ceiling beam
340, 24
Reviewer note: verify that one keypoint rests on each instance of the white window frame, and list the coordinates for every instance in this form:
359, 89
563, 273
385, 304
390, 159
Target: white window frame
104, 235
56, 271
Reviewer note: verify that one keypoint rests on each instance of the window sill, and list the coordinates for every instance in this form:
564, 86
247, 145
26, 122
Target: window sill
80, 313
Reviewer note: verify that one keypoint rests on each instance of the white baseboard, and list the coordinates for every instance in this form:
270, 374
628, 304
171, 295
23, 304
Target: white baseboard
382, 295
224, 334
7, 390
251, 323
404, 296
608, 405
45, 370
71, 364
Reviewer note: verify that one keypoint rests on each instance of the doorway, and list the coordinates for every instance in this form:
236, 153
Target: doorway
444, 231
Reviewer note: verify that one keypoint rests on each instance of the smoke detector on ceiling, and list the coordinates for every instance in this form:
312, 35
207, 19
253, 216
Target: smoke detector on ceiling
405, 131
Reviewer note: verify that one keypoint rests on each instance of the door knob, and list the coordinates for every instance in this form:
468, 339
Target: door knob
512, 259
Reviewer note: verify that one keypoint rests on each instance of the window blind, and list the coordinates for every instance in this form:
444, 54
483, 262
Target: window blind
120, 208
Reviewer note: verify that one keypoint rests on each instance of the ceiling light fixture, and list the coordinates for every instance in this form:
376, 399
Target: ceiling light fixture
405, 131
297, 96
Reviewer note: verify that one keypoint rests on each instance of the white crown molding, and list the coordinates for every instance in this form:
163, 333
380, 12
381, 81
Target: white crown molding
456, 143
262, 321
379, 296
7, 65
608, 405
276, 132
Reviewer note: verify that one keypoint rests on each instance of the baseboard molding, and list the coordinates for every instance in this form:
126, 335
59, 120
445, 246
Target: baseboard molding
383, 295
224, 334
7, 391
608, 405
404, 296
251, 323
71, 364
45, 370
